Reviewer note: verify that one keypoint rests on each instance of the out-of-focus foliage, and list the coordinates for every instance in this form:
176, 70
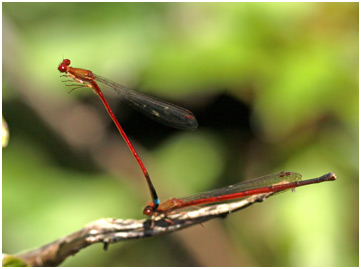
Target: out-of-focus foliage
4, 133
273, 85
12, 261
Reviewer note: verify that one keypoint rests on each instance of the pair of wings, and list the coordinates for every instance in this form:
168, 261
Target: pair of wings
157, 110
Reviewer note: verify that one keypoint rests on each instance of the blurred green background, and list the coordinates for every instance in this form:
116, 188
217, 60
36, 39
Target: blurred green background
274, 87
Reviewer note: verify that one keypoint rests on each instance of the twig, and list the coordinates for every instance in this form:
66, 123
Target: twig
108, 231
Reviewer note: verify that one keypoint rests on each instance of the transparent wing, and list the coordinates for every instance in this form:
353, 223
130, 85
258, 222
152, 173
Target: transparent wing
158, 110
258, 183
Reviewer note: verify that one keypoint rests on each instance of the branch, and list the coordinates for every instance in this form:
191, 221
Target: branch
108, 231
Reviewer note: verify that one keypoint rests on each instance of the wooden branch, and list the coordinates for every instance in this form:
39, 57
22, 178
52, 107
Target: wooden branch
108, 231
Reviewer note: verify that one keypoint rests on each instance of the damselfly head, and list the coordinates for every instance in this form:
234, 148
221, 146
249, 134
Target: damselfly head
64, 65
149, 209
